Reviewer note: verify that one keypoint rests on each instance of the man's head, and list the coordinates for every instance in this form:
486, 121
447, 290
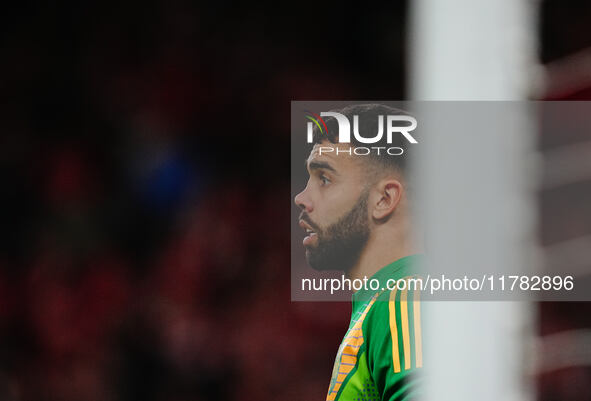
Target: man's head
350, 199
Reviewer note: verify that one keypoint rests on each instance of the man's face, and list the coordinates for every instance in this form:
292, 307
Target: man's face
334, 209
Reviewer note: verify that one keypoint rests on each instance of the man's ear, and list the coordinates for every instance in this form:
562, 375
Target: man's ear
388, 195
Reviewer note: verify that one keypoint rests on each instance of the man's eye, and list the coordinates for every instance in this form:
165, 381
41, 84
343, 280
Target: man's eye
324, 180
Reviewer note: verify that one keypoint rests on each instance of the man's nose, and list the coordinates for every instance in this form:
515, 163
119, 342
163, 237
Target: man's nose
302, 201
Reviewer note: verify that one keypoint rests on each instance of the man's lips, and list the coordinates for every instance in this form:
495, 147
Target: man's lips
311, 237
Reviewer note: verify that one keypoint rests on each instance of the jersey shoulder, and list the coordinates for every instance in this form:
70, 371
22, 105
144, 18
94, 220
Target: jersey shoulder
393, 332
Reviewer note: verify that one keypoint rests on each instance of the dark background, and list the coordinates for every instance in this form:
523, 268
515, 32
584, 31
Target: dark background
144, 242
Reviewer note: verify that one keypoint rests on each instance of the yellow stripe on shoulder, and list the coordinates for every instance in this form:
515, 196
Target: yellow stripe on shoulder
394, 331
405, 328
408, 319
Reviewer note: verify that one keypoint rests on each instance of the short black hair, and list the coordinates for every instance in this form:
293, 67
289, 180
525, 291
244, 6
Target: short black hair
368, 125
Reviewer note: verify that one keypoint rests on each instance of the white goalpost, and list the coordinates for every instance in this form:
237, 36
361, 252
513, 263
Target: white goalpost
473, 51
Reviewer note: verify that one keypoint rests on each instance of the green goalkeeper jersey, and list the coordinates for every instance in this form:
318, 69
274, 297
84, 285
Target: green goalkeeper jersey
380, 354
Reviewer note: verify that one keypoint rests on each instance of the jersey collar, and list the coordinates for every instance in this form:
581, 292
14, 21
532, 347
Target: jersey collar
396, 270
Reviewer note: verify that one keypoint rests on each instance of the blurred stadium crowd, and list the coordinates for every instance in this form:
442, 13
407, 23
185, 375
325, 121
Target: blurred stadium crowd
144, 250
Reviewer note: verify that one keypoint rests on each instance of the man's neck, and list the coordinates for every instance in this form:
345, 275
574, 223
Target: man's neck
379, 253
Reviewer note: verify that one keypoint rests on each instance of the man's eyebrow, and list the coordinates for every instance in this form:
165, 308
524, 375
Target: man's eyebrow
317, 165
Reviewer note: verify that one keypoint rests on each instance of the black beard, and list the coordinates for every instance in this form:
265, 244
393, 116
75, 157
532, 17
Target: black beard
339, 246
